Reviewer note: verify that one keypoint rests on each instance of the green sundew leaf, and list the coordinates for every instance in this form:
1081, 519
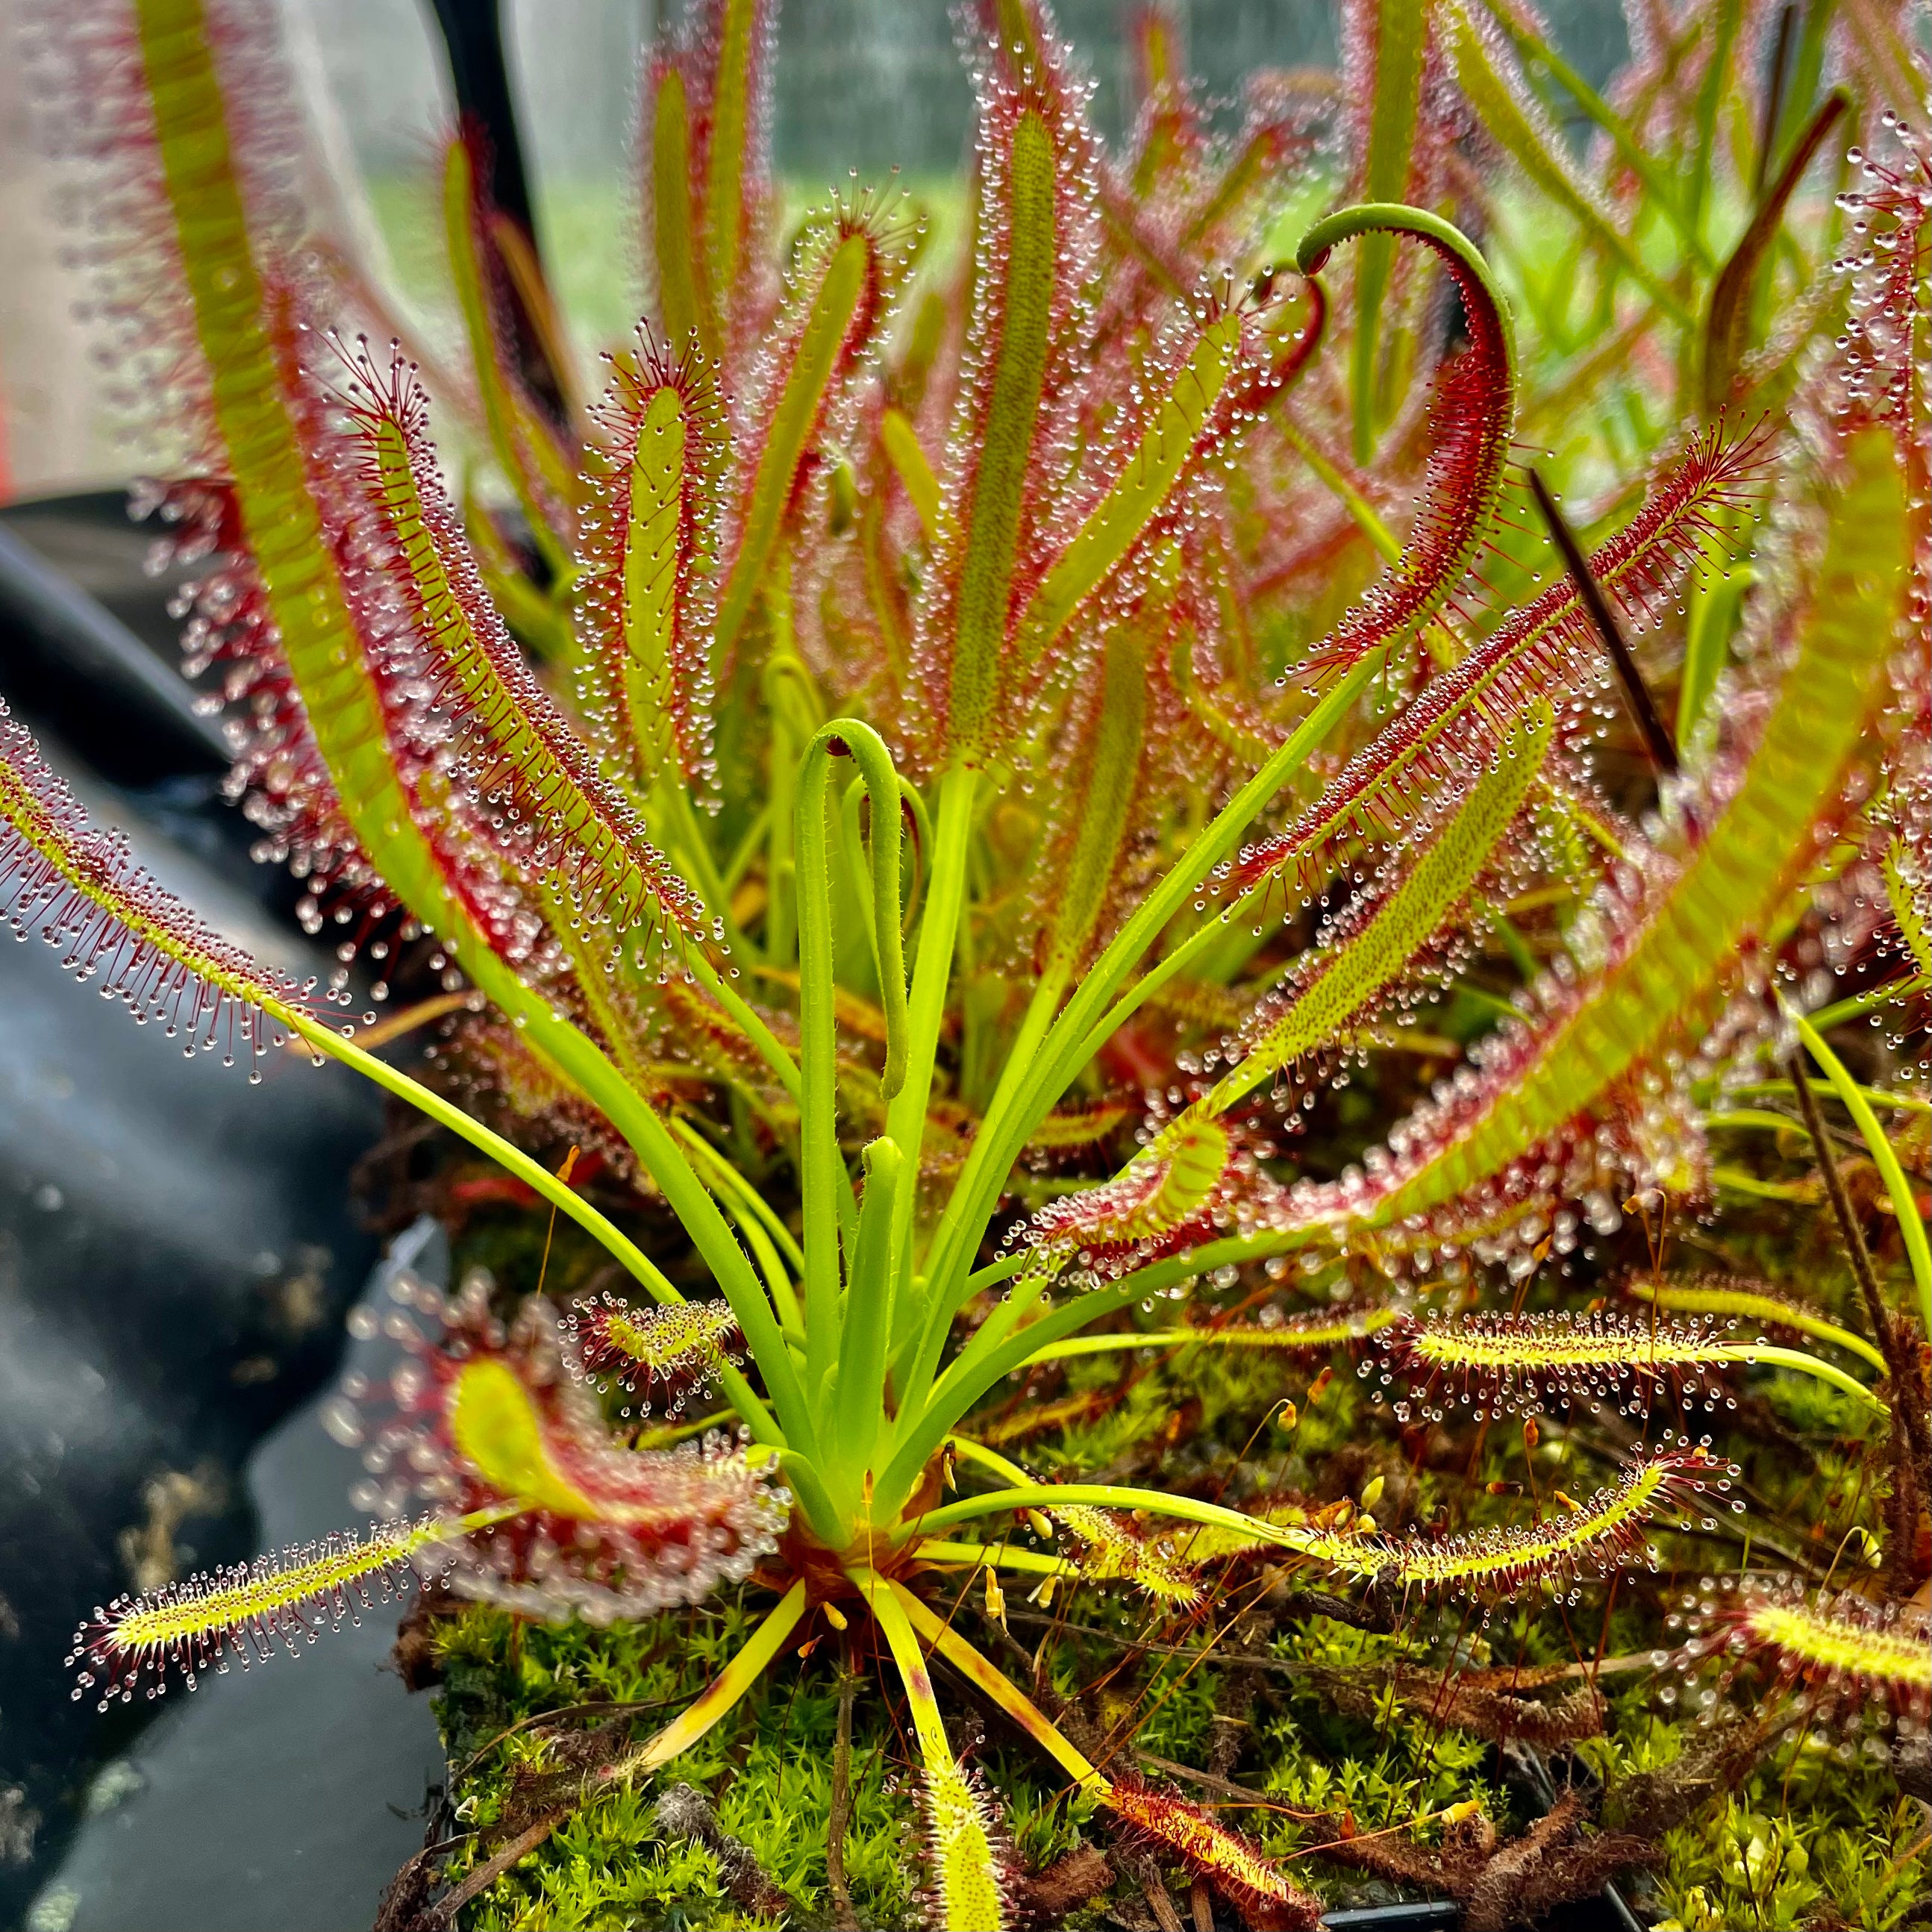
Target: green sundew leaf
524, 449
1370, 959
49, 854
1019, 41
1401, 31
1727, 325
726, 150
1907, 907
607, 862
840, 314
1716, 1295
1098, 813
651, 557
1106, 799
1707, 642
1145, 485
859, 1389
900, 441
1742, 871
1519, 126
684, 304
545, 626
962, 1827
923, 339
991, 516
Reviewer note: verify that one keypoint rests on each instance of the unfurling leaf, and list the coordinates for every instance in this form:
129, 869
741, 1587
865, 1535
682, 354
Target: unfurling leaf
1472, 411
492, 1418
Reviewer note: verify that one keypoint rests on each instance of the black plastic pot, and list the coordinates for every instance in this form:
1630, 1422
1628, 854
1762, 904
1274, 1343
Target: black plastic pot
176, 1248
287, 1795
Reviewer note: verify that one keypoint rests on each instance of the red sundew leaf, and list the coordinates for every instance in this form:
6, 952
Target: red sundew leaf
659, 1355
1164, 1186
1472, 411
648, 542
1208, 385
849, 264
93, 82
1015, 414
1182, 207
1400, 125
537, 805
221, 255
1880, 377
277, 773
1527, 1123
490, 1417
1169, 135
706, 164
1242, 194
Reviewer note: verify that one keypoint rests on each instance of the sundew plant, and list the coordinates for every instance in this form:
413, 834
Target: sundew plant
1087, 824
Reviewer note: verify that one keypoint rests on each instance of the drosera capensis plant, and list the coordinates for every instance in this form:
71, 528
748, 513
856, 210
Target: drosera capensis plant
826, 760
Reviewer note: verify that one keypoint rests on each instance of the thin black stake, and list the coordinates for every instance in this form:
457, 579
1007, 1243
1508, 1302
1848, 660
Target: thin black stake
1636, 694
